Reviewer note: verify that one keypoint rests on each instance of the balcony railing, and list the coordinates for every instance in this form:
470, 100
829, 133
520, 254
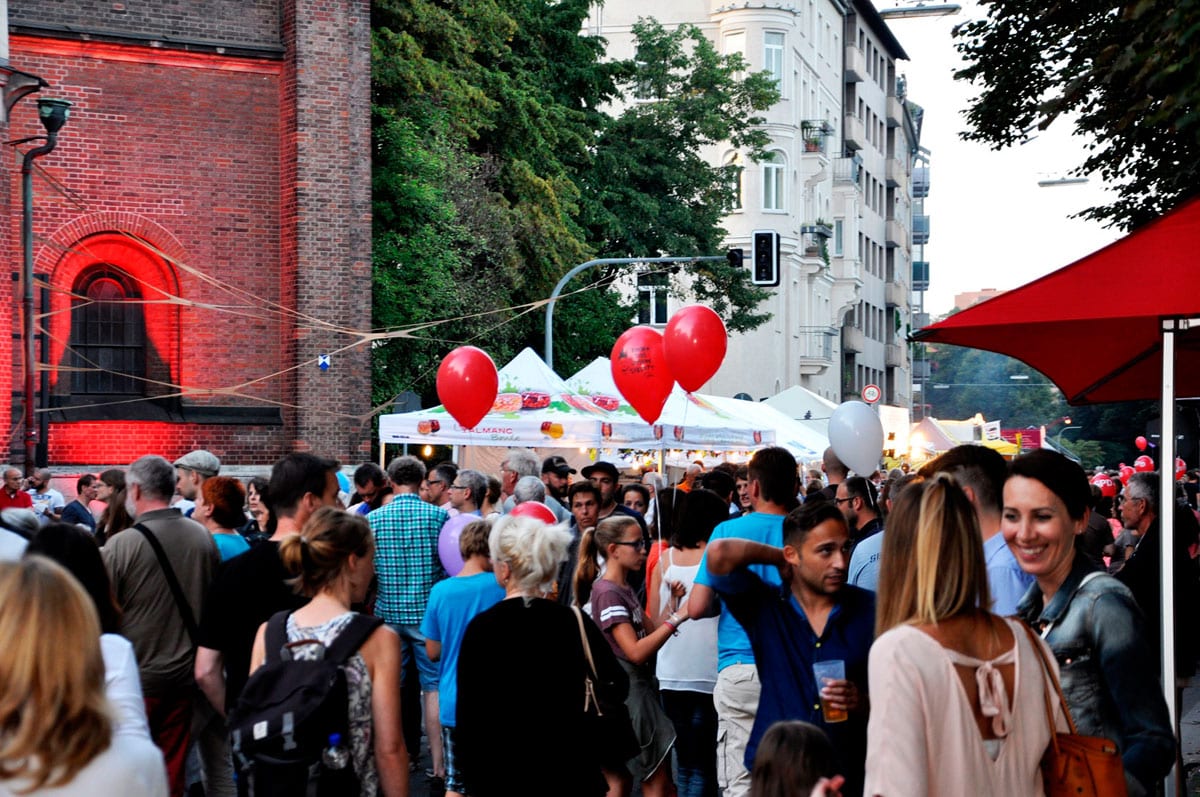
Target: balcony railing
920, 275
897, 173
853, 340
854, 134
846, 170
856, 64
920, 182
895, 111
920, 227
895, 235
896, 295
893, 355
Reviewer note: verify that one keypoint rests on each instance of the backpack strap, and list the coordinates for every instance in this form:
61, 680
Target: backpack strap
352, 637
275, 636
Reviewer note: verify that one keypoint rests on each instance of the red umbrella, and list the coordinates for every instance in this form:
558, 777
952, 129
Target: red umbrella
1095, 327
1099, 329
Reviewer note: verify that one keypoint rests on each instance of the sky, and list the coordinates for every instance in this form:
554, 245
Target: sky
991, 225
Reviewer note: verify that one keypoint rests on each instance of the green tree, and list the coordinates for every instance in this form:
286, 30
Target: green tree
490, 145
1126, 75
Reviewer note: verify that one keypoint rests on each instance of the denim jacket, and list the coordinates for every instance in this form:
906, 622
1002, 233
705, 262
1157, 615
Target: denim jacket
1107, 671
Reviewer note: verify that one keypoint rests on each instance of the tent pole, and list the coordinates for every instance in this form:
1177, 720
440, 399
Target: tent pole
1166, 530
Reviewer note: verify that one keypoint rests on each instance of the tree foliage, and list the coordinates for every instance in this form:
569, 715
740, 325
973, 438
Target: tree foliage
499, 163
1125, 74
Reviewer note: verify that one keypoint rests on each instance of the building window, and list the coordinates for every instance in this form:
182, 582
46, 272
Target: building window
733, 172
108, 336
839, 232
652, 298
772, 172
773, 56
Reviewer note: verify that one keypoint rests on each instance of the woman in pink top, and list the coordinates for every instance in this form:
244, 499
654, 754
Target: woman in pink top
958, 694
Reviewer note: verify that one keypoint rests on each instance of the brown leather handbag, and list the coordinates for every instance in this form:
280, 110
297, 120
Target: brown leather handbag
1075, 765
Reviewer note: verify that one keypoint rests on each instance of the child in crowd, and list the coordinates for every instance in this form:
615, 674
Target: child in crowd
794, 758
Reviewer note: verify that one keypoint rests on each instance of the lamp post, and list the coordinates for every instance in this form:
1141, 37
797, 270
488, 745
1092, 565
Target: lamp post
53, 115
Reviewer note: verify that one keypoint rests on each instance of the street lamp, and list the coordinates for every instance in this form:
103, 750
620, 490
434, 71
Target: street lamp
920, 10
53, 114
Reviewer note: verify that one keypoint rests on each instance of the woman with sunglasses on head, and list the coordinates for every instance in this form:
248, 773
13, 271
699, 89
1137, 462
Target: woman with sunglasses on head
1089, 619
633, 637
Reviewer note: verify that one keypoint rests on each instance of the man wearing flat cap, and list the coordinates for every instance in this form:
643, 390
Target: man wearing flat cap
190, 472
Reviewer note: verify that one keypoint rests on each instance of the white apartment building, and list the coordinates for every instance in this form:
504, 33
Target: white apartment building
835, 186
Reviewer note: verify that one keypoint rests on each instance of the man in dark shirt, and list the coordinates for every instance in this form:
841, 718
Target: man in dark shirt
855, 497
250, 588
815, 616
77, 512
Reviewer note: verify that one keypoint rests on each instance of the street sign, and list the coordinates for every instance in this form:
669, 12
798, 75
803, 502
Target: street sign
871, 393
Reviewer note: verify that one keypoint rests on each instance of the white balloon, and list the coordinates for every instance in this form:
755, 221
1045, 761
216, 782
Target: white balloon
856, 436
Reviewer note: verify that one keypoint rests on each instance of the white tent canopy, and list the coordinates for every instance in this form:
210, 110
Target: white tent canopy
805, 443
804, 406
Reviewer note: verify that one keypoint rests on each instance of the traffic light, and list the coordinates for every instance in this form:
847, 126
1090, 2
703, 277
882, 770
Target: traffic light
765, 258
736, 257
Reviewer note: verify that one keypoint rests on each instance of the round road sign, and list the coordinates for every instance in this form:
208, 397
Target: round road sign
871, 394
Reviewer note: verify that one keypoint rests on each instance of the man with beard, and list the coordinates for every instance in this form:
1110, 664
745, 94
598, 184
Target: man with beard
814, 616
556, 475
855, 497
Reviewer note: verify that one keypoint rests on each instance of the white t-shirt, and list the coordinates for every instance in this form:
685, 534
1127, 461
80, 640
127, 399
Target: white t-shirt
50, 500
130, 767
123, 687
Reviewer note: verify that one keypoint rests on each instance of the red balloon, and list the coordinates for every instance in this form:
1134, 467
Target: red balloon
1107, 486
1126, 472
1180, 468
1143, 464
1140, 442
467, 384
535, 509
639, 369
695, 343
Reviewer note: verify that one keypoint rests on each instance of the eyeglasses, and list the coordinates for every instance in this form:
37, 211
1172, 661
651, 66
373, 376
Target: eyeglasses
434, 481
840, 501
459, 487
637, 545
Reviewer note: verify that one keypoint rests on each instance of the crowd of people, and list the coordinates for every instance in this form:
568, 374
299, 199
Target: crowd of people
754, 629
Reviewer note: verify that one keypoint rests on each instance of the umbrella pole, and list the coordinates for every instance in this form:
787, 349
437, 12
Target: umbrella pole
1166, 530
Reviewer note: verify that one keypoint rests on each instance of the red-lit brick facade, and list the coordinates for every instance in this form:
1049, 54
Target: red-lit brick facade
215, 176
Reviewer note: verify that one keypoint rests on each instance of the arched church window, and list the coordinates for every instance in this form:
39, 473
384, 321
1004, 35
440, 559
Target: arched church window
108, 336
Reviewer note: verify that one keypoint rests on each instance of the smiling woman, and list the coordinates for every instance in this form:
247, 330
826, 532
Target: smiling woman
1090, 620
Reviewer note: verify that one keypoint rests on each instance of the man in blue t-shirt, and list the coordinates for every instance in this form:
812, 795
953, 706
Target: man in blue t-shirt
453, 604
772, 486
814, 617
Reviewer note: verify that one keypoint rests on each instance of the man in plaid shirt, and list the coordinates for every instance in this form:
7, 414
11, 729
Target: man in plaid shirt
407, 566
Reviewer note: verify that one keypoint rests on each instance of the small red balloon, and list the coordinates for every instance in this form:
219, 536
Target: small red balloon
467, 384
535, 509
1143, 464
640, 371
1126, 472
695, 343
1180, 468
1140, 442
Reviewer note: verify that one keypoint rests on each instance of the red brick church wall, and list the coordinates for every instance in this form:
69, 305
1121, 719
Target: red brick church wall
228, 147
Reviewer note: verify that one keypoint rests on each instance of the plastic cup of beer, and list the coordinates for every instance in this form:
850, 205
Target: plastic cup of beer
832, 669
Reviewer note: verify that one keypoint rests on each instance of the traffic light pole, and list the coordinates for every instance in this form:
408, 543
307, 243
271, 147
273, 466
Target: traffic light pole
607, 261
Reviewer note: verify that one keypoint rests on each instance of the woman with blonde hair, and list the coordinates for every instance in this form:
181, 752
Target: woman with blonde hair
959, 694
521, 668
333, 561
56, 726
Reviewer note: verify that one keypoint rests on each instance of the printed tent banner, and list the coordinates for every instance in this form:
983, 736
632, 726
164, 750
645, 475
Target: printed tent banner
687, 420
534, 407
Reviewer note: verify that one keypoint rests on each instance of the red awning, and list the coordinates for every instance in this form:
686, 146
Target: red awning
1094, 327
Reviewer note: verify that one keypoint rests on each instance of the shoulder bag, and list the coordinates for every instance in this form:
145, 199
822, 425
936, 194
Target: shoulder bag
1076, 765
185, 610
606, 717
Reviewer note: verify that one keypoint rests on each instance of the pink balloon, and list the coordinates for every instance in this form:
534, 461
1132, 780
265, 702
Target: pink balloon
1143, 464
535, 509
448, 550
639, 369
467, 384
695, 343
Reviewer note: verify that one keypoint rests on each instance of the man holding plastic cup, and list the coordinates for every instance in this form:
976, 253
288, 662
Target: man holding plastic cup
813, 622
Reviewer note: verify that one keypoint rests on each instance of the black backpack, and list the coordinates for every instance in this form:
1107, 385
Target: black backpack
288, 711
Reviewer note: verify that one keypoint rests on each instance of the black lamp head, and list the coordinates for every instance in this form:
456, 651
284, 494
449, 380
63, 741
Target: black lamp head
53, 113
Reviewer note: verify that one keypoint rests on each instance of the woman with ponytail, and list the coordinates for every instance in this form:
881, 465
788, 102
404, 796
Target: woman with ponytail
333, 560
633, 637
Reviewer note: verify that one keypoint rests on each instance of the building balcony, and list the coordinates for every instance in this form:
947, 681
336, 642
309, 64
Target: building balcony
896, 235
856, 64
920, 182
896, 294
920, 320
920, 275
846, 170
920, 227
893, 355
854, 133
853, 340
895, 112
897, 173
816, 349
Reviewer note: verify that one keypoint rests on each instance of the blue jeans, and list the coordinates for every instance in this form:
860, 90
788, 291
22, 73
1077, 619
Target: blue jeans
695, 721
414, 645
